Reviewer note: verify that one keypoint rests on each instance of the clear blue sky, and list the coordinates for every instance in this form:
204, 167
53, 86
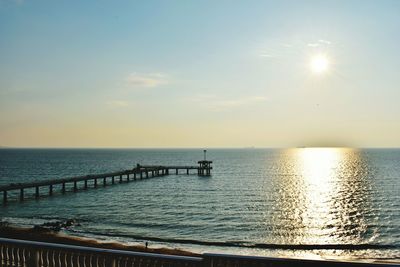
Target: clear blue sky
199, 73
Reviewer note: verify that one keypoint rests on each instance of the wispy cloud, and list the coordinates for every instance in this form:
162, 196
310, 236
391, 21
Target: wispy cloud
216, 103
318, 43
324, 42
146, 80
117, 103
313, 44
267, 55
239, 102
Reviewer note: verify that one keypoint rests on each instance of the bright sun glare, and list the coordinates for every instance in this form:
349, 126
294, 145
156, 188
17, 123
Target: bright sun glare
319, 64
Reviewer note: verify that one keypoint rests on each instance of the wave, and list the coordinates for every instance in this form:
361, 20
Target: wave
242, 244
66, 223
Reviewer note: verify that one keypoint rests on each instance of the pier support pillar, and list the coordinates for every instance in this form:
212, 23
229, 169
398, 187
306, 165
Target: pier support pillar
127, 177
75, 186
4, 197
147, 174
21, 194
167, 171
63, 188
176, 171
37, 192
120, 178
113, 180
141, 175
51, 190
104, 181
187, 171
95, 182
85, 186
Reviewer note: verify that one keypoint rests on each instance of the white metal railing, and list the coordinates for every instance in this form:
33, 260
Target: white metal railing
224, 260
21, 253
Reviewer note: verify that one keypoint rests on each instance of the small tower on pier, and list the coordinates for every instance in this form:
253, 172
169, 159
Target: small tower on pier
204, 166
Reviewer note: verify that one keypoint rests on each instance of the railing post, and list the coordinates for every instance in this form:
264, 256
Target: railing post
33, 260
110, 262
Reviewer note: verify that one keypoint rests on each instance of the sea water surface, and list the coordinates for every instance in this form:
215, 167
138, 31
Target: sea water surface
337, 203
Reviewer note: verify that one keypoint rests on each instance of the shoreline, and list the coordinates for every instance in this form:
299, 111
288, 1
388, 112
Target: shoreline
50, 235
42, 234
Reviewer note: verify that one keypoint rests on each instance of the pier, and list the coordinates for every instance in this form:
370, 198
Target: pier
139, 172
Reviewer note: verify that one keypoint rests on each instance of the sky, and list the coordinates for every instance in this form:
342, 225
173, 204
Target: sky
199, 73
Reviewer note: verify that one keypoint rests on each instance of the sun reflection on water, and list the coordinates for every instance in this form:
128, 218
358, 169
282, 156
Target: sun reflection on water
323, 196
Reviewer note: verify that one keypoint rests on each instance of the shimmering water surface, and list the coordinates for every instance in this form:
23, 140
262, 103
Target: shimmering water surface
305, 202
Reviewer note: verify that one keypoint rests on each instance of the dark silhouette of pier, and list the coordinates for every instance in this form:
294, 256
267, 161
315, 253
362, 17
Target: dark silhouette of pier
138, 173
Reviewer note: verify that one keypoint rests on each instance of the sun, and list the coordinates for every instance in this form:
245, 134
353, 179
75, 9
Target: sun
319, 64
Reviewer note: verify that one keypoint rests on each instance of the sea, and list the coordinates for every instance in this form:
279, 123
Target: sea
316, 203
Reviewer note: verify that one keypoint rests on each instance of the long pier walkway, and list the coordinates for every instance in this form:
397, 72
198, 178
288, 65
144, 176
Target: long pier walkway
139, 172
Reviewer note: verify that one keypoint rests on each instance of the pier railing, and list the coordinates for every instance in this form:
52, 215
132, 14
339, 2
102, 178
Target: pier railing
82, 182
20, 253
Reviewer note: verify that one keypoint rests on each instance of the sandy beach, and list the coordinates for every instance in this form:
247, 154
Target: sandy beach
43, 234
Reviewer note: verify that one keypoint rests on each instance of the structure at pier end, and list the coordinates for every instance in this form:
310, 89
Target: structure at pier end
204, 166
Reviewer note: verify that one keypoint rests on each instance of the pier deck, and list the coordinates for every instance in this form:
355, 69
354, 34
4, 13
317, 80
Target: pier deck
139, 172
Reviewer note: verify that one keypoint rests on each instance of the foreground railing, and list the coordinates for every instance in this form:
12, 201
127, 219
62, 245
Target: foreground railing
224, 260
20, 253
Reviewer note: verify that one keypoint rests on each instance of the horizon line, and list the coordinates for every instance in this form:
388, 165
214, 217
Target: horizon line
233, 147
